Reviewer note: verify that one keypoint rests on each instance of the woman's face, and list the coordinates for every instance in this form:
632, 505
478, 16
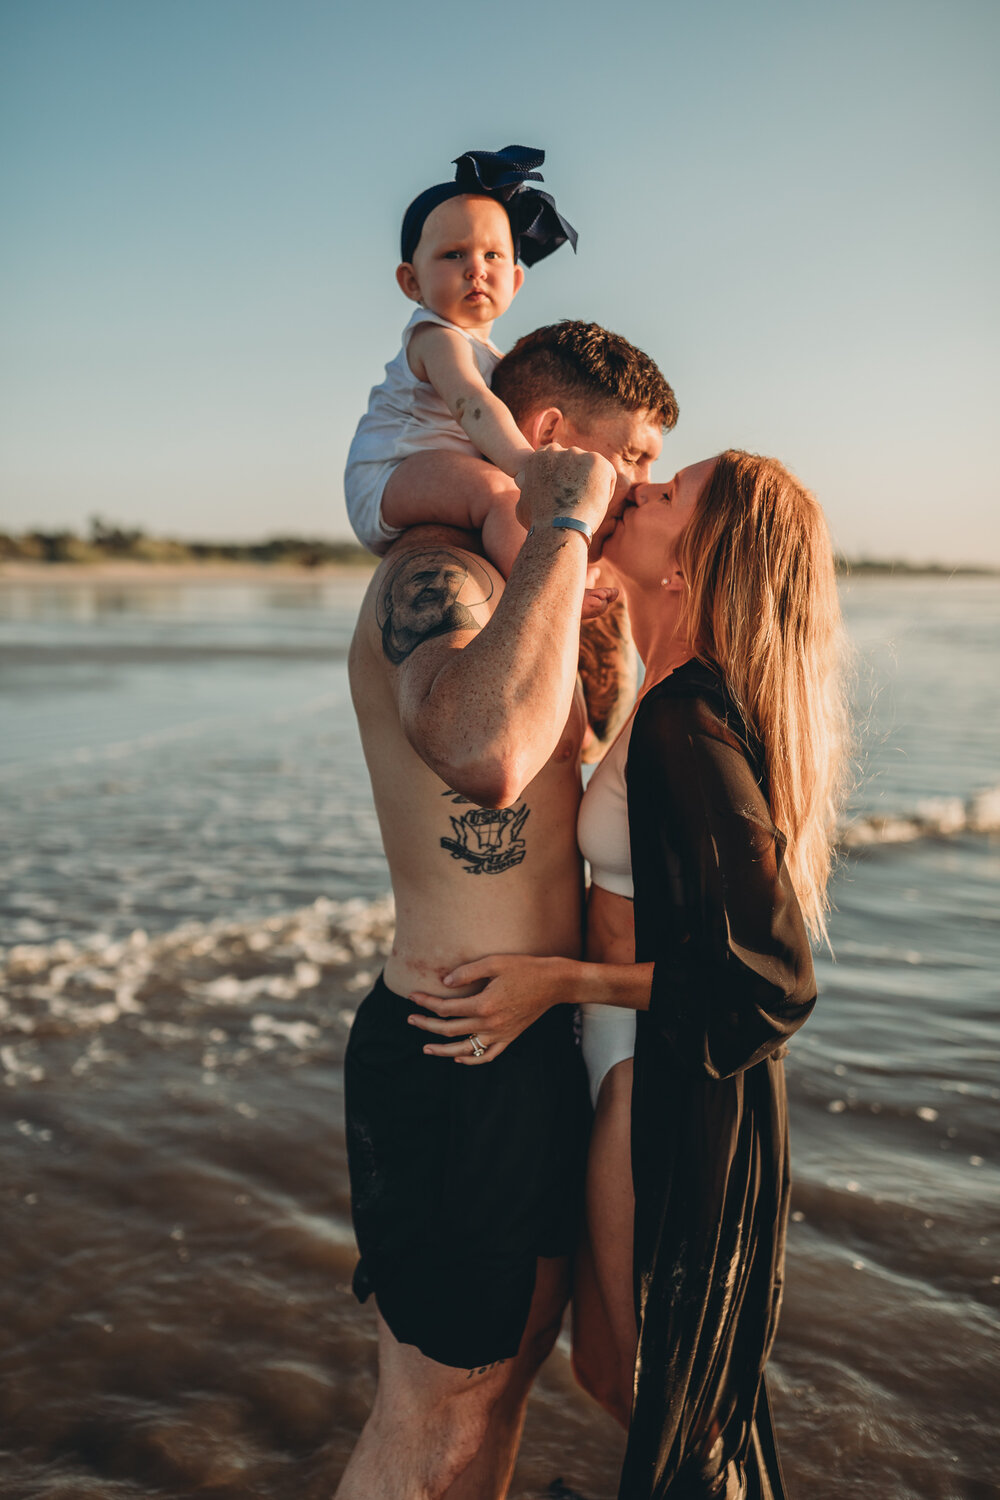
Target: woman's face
643, 545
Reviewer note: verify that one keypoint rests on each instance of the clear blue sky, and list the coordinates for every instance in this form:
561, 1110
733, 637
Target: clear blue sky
791, 206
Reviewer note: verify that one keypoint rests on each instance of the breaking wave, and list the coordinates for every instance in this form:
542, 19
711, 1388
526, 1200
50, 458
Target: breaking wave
932, 817
269, 985
94, 981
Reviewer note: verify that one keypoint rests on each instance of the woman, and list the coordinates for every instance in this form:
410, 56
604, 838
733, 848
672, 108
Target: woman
731, 781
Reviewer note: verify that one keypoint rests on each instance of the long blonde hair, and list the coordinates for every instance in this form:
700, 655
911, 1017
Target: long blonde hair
762, 607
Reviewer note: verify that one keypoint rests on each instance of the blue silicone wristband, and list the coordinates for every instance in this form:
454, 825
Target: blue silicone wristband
573, 523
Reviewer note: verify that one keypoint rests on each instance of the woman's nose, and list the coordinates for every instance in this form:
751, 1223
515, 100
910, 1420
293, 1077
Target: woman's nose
643, 492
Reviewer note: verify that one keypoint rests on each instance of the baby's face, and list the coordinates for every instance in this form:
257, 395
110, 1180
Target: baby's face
463, 267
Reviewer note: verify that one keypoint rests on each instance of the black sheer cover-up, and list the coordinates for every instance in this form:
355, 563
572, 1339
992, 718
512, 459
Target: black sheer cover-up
733, 979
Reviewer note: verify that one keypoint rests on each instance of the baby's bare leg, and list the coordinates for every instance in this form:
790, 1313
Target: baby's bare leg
456, 489
503, 534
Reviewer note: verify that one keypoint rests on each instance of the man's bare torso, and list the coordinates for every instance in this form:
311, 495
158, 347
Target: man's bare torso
468, 880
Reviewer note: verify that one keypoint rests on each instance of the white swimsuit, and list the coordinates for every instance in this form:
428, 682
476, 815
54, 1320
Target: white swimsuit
405, 415
602, 833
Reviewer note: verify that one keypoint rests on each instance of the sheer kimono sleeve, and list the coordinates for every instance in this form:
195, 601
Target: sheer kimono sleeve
714, 906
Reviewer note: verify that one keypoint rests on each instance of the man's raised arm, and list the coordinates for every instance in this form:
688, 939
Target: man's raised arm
484, 692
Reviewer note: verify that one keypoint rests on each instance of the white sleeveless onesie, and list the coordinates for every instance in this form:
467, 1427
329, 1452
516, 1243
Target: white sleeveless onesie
608, 1034
405, 415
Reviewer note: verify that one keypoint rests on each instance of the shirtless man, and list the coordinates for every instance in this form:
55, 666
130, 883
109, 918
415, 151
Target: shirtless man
467, 1181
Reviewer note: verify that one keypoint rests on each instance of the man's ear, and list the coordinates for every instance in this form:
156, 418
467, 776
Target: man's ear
406, 277
545, 426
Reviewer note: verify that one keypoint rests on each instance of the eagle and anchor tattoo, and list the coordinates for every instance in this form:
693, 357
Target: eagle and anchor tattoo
418, 601
487, 839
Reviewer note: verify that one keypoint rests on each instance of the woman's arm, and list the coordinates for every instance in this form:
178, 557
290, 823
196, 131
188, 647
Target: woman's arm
445, 360
714, 906
518, 989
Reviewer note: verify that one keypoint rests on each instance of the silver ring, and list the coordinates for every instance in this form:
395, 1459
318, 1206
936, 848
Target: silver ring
477, 1047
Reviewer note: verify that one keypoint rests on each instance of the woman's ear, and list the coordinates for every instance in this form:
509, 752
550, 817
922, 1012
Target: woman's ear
406, 277
673, 582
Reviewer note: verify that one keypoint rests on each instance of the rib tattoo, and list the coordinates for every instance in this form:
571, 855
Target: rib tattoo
487, 839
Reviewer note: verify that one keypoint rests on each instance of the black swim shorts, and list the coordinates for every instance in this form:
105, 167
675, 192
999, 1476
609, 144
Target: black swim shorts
461, 1177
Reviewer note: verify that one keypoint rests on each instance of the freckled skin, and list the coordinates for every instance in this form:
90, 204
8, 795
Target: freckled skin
530, 904
471, 720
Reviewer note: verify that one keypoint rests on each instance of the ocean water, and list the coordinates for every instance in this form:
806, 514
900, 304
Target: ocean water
192, 901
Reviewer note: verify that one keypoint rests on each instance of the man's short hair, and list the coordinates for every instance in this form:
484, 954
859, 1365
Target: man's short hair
581, 367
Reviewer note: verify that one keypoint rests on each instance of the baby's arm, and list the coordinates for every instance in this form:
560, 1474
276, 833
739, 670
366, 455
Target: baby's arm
445, 360
460, 489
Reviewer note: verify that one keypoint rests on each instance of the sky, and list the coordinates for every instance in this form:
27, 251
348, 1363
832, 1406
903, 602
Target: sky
788, 205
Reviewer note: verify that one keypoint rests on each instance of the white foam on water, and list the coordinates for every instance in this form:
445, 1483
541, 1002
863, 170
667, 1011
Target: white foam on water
931, 817
87, 989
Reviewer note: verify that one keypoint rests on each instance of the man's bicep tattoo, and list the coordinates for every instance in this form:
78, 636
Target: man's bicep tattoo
426, 594
487, 840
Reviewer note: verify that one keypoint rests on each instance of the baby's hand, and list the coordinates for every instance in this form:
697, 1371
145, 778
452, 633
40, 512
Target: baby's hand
523, 459
596, 602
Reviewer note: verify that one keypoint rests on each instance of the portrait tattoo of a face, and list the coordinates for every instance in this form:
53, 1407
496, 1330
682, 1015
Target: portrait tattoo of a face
426, 594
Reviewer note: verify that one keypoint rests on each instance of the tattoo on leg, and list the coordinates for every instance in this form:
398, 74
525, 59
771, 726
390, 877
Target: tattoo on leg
429, 593
485, 1369
487, 839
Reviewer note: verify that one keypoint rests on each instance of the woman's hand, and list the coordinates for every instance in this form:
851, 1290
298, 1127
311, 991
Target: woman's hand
517, 991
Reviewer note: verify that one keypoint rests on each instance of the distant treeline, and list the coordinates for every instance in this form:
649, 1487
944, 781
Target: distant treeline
856, 565
105, 542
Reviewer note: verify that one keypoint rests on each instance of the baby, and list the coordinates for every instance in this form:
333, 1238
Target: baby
435, 444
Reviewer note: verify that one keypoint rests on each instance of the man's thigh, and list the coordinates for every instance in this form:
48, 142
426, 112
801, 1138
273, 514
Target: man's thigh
413, 1388
461, 1179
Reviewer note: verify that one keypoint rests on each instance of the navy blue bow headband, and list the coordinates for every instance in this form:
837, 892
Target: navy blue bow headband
536, 226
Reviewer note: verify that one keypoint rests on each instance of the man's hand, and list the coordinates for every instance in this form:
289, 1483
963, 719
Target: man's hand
564, 482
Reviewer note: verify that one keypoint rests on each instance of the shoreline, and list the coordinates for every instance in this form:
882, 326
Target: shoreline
219, 571
131, 570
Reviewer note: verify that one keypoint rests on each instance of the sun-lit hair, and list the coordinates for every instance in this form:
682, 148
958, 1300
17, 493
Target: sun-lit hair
762, 606
583, 368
